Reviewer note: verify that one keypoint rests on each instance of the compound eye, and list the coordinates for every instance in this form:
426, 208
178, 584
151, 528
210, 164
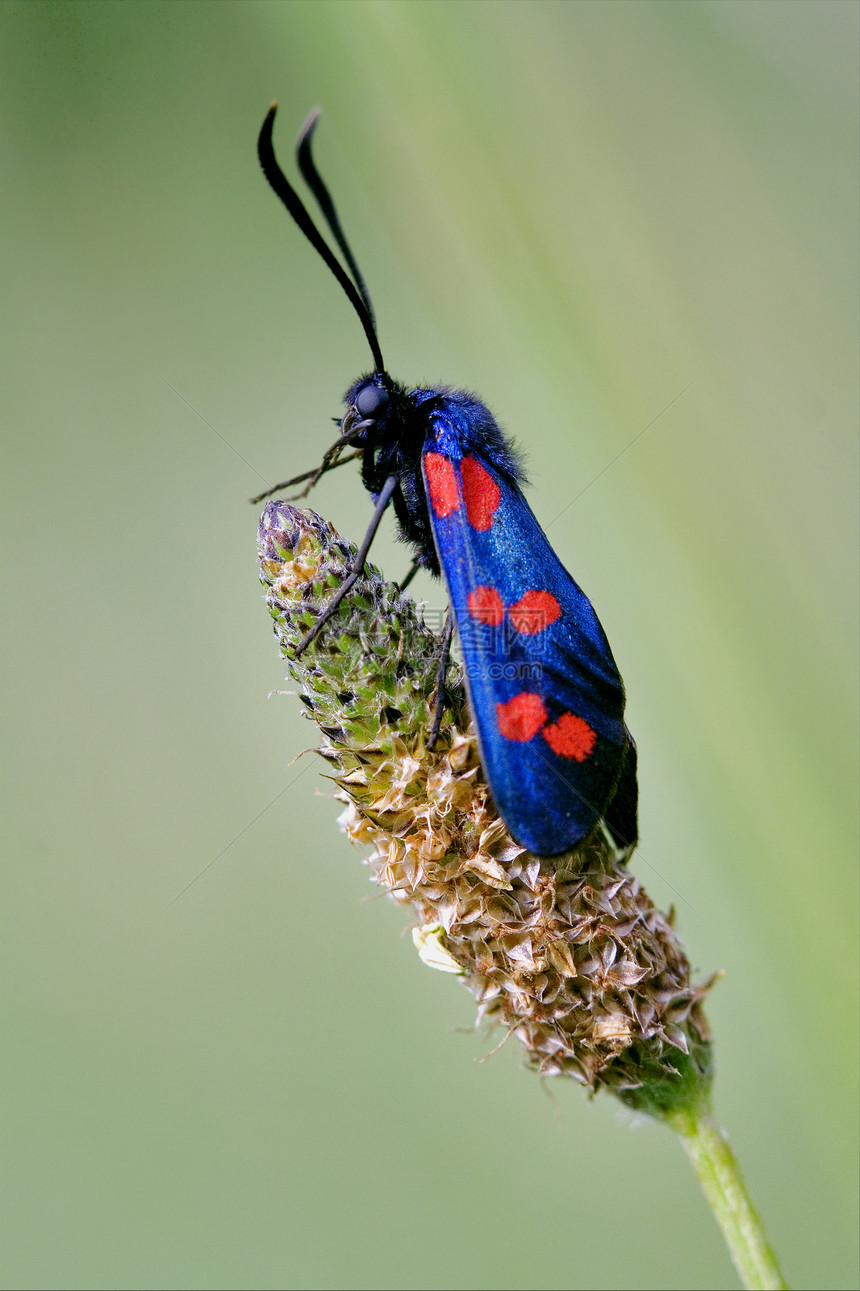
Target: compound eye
371, 402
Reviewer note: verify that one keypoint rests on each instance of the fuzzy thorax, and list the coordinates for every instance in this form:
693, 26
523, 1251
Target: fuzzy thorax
567, 953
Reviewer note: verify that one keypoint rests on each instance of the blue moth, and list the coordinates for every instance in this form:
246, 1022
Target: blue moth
546, 697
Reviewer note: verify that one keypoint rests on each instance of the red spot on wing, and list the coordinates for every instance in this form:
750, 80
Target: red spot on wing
570, 737
521, 717
534, 612
481, 492
442, 484
486, 606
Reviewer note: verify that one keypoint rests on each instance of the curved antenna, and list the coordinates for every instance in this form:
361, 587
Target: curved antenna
316, 184
296, 208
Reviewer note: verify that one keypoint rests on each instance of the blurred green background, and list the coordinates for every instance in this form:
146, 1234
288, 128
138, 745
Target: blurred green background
576, 210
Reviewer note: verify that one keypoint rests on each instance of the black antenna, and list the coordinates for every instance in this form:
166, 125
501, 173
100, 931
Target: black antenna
288, 195
316, 184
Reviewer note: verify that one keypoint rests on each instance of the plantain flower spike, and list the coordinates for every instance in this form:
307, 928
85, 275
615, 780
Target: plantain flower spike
566, 953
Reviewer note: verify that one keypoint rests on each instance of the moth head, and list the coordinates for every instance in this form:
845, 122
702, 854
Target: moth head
372, 401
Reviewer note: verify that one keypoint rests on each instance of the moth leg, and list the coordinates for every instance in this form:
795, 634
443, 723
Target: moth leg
313, 476
441, 692
413, 570
331, 459
356, 568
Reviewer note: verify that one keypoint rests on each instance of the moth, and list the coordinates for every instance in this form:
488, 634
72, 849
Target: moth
545, 695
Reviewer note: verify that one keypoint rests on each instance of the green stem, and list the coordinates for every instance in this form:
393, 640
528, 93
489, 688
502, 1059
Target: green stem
720, 1176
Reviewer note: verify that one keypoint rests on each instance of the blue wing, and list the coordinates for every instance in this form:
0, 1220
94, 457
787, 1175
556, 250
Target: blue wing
546, 697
